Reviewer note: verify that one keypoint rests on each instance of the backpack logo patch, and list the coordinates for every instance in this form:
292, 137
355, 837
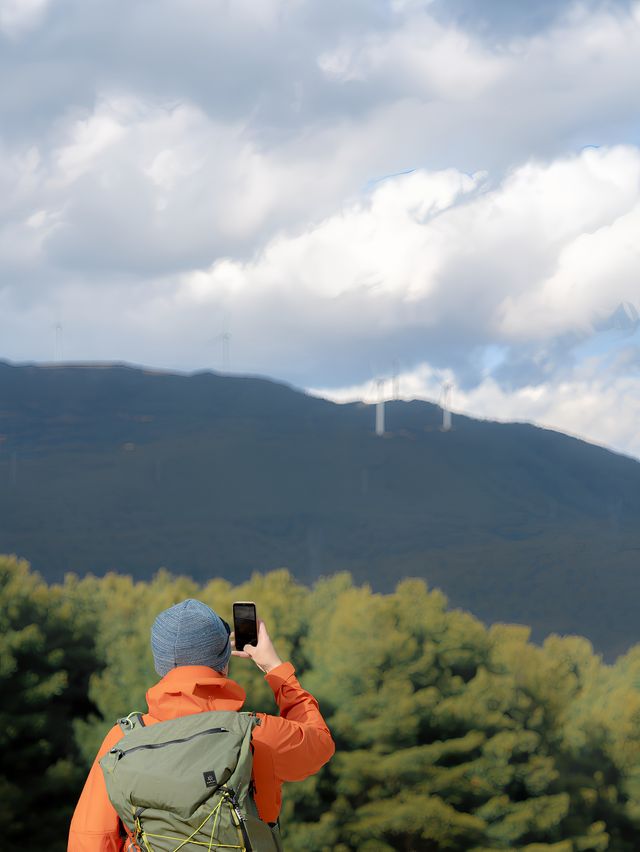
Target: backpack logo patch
210, 778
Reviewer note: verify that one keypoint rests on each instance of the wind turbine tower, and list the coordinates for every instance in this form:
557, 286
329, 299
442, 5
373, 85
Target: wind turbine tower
58, 349
226, 346
446, 406
380, 408
225, 340
395, 386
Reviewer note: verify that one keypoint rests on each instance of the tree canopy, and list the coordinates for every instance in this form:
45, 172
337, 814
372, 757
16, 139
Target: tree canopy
450, 735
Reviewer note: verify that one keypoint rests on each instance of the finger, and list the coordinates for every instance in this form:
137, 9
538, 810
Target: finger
235, 653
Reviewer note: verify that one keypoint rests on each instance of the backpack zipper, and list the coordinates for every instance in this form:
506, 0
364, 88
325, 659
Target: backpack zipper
121, 752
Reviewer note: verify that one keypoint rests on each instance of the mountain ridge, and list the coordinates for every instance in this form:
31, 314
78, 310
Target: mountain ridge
114, 467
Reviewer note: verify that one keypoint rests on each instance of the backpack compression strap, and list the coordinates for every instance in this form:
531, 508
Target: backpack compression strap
133, 720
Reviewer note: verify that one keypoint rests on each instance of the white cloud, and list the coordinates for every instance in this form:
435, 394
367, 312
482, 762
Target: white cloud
420, 58
19, 16
594, 272
90, 138
146, 185
546, 253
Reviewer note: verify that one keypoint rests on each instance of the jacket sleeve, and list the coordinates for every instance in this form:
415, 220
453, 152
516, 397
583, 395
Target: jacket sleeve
299, 740
95, 826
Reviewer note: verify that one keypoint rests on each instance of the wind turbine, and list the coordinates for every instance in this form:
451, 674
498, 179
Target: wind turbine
380, 408
225, 338
58, 348
395, 383
445, 404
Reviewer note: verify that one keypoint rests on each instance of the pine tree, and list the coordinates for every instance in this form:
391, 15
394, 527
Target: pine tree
46, 658
449, 736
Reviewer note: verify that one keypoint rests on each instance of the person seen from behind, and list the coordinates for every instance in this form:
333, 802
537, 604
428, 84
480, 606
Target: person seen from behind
200, 778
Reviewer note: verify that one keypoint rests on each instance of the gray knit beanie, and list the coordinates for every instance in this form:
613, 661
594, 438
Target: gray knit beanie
189, 634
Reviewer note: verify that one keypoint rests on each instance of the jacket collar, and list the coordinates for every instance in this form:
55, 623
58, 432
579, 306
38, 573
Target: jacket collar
193, 689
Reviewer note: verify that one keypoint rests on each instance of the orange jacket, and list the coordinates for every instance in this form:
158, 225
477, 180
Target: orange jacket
288, 747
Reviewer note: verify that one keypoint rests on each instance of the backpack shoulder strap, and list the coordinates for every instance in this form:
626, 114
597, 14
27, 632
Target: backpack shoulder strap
133, 720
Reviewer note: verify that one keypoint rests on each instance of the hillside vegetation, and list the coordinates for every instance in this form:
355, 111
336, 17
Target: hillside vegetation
125, 469
450, 736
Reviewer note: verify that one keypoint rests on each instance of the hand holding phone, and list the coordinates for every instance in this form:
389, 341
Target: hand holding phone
247, 626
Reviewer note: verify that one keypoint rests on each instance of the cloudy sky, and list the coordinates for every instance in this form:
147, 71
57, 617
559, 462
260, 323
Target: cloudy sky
331, 192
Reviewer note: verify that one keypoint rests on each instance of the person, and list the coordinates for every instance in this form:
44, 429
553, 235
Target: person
191, 648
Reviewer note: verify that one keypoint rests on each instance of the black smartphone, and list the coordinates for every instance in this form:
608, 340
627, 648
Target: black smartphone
245, 624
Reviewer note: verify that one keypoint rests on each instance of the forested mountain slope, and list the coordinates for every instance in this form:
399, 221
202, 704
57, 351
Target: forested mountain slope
120, 468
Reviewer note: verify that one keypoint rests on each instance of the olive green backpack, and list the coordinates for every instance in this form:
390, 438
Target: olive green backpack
186, 784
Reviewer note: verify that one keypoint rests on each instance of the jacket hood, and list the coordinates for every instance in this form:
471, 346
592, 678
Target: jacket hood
193, 689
